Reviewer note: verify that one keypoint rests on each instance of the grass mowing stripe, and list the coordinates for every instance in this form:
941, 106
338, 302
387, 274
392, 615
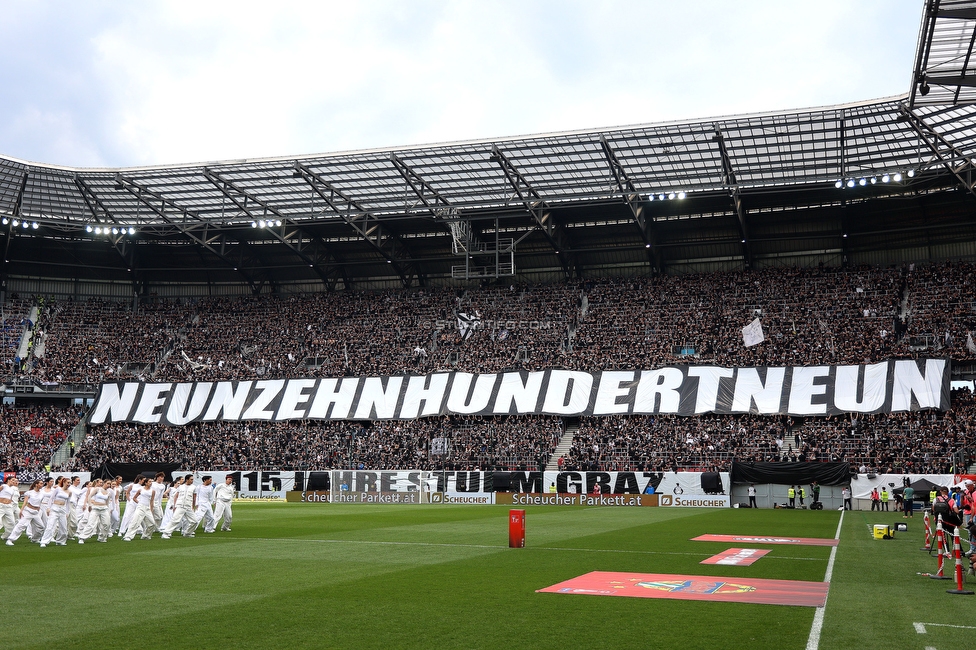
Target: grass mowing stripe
502, 547
813, 642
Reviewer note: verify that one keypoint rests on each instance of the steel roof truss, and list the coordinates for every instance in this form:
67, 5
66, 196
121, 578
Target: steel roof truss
729, 180
535, 204
294, 240
370, 228
633, 200
954, 160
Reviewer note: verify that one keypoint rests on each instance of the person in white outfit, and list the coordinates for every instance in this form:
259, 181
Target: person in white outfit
115, 492
170, 496
99, 512
204, 513
224, 494
30, 513
9, 500
56, 529
186, 503
76, 492
130, 512
158, 487
36, 531
142, 497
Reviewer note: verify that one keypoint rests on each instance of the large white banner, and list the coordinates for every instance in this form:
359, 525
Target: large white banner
889, 386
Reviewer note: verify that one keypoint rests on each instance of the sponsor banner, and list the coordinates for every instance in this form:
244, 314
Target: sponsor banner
463, 498
385, 498
556, 499
889, 386
685, 587
737, 556
802, 541
695, 501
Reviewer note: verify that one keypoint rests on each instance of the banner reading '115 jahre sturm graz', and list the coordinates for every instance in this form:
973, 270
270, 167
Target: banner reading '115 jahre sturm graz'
884, 387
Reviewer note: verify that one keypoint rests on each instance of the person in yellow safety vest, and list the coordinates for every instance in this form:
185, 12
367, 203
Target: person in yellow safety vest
552, 488
932, 496
791, 493
884, 498
803, 494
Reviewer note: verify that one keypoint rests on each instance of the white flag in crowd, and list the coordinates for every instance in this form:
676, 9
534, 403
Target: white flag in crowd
468, 323
752, 334
969, 343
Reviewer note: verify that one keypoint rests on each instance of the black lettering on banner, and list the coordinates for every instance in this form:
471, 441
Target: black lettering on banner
598, 478
626, 484
270, 482
569, 482
526, 482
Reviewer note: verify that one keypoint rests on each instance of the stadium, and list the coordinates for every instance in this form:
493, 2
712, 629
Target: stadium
388, 352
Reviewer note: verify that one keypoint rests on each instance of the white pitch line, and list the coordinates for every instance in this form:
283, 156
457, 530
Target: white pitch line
920, 627
813, 641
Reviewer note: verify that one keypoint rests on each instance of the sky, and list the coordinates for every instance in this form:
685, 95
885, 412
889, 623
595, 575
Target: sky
119, 84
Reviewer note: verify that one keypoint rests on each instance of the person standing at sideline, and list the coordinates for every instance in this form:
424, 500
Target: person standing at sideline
752, 496
224, 494
885, 498
846, 494
791, 493
803, 494
875, 500
909, 499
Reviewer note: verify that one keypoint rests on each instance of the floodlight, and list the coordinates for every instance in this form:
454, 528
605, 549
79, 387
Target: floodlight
897, 177
98, 230
6, 221
660, 197
34, 225
671, 196
16, 223
132, 230
839, 184
850, 182
254, 224
874, 179
862, 182
681, 195
277, 222
263, 223
885, 178
911, 173
89, 228
650, 197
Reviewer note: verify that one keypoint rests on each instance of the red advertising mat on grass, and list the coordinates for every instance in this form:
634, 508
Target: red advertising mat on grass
737, 556
746, 539
682, 587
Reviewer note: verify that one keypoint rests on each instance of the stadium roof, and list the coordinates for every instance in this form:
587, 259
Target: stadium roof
741, 190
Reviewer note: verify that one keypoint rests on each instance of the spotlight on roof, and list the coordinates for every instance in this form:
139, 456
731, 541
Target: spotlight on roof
115, 231
671, 196
254, 224
681, 195
897, 177
911, 173
650, 197
885, 178
34, 225
98, 230
862, 182
839, 184
277, 222
132, 230
5, 221
89, 228
16, 222
660, 197
874, 179
647, 245
850, 182
24, 224
263, 223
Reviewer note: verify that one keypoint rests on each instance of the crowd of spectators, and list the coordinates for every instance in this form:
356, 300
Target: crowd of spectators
30, 435
432, 443
809, 316
897, 443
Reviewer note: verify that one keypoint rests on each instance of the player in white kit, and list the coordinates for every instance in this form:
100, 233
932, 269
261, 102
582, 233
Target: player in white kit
204, 513
224, 494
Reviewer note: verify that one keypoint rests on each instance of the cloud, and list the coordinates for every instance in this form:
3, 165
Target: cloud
169, 82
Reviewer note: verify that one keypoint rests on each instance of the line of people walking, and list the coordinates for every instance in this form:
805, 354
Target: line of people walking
58, 510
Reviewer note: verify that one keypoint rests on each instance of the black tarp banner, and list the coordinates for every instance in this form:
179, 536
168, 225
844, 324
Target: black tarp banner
889, 386
791, 473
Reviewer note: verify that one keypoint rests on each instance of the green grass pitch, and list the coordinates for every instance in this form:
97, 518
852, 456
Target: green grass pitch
347, 576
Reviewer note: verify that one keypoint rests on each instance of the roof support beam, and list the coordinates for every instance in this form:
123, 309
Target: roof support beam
126, 249
292, 240
367, 225
633, 200
536, 206
158, 205
954, 160
429, 196
9, 230
728, 178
